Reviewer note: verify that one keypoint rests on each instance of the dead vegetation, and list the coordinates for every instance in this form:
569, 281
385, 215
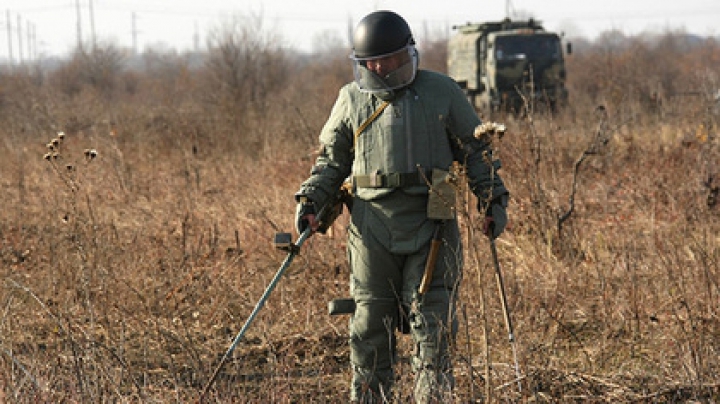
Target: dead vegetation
127, 275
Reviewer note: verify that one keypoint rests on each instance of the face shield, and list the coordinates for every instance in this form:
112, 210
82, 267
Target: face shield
385, 73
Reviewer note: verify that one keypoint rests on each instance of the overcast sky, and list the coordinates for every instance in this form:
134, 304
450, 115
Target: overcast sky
53, 24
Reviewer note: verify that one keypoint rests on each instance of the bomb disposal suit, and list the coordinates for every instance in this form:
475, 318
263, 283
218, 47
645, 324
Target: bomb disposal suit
393, 134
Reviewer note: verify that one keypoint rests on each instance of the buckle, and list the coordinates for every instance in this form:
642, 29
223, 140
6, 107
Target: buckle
375, 179
393, 180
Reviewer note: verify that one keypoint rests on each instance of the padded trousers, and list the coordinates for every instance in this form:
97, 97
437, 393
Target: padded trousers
387, 264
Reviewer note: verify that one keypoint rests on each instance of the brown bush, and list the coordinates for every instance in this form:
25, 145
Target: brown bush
126, 275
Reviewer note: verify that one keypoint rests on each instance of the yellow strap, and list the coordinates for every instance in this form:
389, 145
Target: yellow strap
370, 119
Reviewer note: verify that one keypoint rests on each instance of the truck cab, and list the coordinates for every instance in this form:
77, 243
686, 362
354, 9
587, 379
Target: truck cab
502, 65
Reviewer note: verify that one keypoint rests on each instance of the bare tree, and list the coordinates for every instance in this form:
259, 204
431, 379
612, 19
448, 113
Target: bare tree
245, 64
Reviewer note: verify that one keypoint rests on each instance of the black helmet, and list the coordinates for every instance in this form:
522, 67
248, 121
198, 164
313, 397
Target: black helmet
381, 33
384, 34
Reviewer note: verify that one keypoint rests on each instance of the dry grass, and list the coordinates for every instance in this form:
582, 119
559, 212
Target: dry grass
126, 277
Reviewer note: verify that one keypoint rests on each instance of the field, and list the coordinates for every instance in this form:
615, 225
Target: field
133, 248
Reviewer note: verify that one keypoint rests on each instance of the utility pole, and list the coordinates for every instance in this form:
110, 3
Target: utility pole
35, 42
29, 29
20, 35
134, 33
508, 7
350, 30
92, 25
9, 35
196, 38
79, 25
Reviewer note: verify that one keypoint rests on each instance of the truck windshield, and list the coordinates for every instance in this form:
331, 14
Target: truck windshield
533, 47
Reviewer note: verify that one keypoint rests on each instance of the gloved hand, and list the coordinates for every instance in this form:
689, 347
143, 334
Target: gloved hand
495, 216
305, 216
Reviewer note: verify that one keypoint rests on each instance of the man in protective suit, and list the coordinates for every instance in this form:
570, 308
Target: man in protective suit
395, 131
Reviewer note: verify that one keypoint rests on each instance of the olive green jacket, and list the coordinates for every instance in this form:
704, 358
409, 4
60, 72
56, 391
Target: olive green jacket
427, 125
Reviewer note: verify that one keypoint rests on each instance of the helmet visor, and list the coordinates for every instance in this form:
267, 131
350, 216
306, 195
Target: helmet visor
370, 78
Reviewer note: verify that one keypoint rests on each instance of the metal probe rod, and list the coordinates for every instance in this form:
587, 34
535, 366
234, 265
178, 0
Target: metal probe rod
505, 308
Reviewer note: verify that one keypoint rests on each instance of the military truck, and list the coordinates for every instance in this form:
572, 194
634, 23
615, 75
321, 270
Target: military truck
502, 64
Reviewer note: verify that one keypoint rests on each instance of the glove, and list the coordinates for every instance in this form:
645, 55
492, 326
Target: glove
495, 216
305, 216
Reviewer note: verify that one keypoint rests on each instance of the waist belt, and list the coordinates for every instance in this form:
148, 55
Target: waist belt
391, 180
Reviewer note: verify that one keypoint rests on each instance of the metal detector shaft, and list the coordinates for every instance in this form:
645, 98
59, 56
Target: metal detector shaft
291, 254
